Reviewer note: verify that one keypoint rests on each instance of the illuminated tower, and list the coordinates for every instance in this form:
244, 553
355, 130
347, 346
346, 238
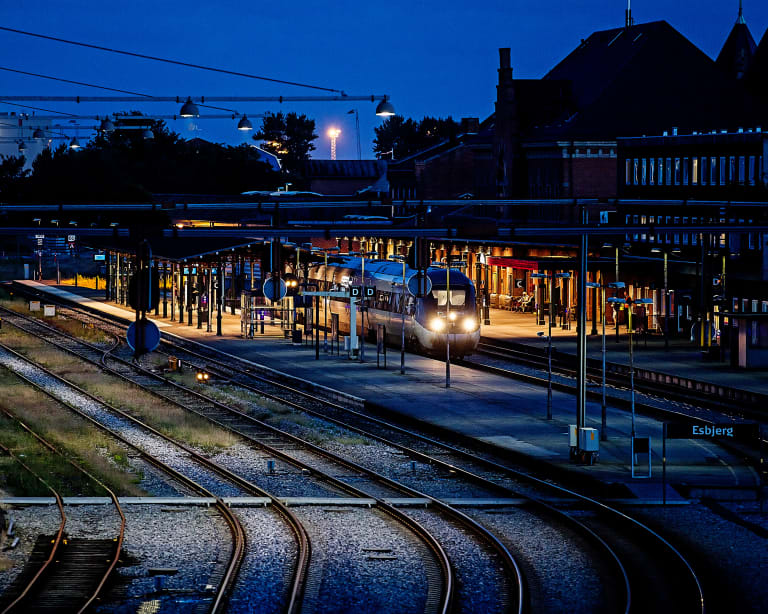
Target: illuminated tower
333, 133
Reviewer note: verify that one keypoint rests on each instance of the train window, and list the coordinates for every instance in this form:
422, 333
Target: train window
458, 297
695, 171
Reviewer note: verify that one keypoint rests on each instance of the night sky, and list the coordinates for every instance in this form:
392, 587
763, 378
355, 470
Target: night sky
432, 58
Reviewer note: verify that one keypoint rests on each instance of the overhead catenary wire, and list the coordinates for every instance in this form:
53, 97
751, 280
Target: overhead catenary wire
100, 87
169, 61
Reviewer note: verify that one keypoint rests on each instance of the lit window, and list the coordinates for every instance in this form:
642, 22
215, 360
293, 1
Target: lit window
685, 171
660, 166
652, 171
742, 170
695, 172
722, 170
644, 171
669, 172
677, 171
751, 173
703, 171
731, 169
712, 171
634, 171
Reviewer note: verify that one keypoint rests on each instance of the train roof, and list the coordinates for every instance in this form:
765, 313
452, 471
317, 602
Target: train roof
392, 271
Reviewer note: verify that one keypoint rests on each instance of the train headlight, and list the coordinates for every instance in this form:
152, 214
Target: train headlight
469, 324
438, 325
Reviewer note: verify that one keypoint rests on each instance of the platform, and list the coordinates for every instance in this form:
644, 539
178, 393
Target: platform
485, 407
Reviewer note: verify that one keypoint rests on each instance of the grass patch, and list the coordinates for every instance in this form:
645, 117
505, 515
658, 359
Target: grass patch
166, 417
73, 437
71, 326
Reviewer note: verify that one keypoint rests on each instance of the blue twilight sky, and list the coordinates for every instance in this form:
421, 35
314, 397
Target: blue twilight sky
432, 57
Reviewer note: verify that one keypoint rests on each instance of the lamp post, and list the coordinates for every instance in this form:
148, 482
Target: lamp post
603, 406
629, 302
325, 251
551, 278
400, 258
449, 321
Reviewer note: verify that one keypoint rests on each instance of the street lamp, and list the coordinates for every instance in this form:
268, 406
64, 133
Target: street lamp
549, 336
401, 258
448, 322
333, 134
629, 302
603, 407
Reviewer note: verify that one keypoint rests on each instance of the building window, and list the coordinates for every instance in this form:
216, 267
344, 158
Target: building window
644, 170
703, 171
677, 171
685, 171
695, 171
722, 170
652, 171
731, 169
713, 171
742, 170
634, 171
660, 165
669, 172
751, 173
627, 172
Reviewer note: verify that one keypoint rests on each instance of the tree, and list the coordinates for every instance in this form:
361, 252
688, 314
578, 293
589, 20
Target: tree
400, 137
12, 176
289, 137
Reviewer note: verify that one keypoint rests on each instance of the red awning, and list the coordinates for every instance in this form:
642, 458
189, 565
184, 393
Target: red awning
529, 265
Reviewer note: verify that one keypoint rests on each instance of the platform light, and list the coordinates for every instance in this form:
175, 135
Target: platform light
244, 123
385, 108
189, 109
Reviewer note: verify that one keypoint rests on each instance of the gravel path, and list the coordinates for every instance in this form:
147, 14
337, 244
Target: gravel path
557, 564
481, 585
361, 562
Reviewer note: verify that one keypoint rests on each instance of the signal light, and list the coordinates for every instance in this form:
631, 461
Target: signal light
203, 377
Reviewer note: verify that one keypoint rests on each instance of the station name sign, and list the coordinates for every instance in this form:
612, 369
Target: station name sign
727, 431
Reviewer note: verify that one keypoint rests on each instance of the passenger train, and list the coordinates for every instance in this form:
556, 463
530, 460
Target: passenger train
428, 320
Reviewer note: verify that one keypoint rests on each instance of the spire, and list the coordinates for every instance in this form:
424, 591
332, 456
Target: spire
735, 57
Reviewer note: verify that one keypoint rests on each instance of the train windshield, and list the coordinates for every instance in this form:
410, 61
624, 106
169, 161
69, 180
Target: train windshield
458, 297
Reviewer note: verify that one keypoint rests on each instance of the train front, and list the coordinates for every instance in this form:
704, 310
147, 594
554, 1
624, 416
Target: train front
448, 314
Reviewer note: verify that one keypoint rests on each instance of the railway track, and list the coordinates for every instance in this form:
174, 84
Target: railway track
597, 518
439, 573
63, 574
617, 376
227, 576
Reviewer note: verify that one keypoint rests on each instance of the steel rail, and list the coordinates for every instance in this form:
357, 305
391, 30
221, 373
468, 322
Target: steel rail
56, 541
238, 550
422, 533
121, 536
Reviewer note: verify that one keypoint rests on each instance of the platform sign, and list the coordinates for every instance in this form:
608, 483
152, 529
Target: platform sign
727, 431
40, 239
419, 285
275, 291
370, 291
355, 291
99, 257
151, 336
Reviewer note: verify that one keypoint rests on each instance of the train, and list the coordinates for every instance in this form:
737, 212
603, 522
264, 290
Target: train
430, 322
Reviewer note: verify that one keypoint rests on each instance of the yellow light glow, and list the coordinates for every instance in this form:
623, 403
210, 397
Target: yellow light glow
469, 324
438, 325
452, 316
334, 133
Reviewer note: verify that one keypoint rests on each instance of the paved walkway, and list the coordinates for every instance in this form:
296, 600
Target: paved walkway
489, 408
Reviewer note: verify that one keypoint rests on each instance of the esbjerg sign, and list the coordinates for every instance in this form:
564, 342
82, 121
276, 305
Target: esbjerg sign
727, 431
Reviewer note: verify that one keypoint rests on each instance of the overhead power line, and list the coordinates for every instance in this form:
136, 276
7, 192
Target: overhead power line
167, 61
